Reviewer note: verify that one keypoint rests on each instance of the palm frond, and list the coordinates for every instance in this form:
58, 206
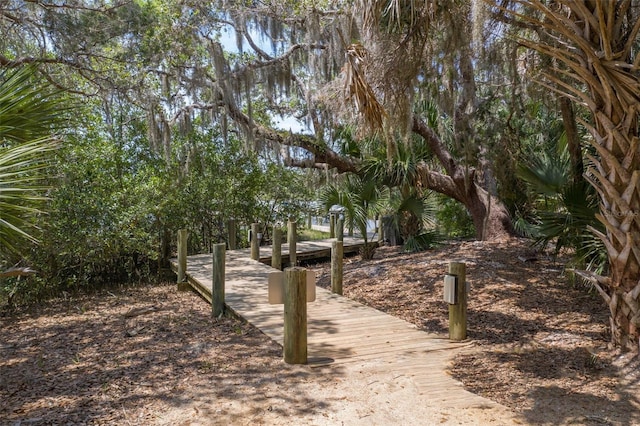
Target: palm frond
30, 112
21, 191
29, 109
358, 90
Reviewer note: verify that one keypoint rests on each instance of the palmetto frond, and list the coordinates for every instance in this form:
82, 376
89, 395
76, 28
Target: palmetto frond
29, 113
21, 191
360, 197
28, 108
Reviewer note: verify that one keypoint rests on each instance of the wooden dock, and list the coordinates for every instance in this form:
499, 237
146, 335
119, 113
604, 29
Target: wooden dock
341, 331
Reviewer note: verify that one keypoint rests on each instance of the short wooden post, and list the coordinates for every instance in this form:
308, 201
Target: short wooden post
292, 238
255, 242
337, 254
231, 229
276, 248
458, 312
332, 225
340, 229
295, 316
217, 298
182, 259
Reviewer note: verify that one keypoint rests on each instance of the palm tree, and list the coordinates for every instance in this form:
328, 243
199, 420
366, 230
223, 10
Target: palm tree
361, 199
29, 112
564, 207
413, 207
593, 51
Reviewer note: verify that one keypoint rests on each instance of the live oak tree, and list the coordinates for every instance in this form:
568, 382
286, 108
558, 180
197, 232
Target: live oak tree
167, 57
593, 46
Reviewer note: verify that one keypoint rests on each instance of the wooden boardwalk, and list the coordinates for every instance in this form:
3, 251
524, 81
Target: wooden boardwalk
341, 331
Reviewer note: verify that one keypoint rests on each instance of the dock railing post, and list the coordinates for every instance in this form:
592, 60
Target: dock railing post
276, 248
182, 260
231, 229
332, 225
337, 252
217, 296
295, 316
458, 311
255, 241
340, 229
292, 238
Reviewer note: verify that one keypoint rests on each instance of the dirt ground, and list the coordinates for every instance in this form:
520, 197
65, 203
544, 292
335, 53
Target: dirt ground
152, 355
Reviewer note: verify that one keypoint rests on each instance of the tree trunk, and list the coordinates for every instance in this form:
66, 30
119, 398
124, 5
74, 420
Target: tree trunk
573, 139
490, 216
603, 59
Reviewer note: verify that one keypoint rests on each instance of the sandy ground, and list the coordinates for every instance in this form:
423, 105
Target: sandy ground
152, 355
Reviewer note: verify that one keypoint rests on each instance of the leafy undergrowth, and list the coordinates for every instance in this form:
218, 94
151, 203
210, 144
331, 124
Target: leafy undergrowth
540, 342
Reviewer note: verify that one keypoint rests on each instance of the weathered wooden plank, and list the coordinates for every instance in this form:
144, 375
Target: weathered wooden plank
340, 331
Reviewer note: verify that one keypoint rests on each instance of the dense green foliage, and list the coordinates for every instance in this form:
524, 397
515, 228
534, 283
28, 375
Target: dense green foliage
114, 205
176, 129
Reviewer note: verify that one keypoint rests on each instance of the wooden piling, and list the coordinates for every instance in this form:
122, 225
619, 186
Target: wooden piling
340, 229
182, 260
231, 229
337, 254
458, 312
292, 238
255, 242
295, 316
217, 298
276, 252
332, 225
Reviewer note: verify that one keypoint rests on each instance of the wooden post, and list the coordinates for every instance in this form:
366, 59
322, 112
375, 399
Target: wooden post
332, 225
309, 221
217, 298
337, 253
458, 312
276, 248
292, 238
231, 229
380, 229
255, 242
295, 316
182, 260
340, 229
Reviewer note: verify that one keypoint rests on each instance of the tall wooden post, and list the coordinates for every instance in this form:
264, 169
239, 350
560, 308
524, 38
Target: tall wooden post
332, 225
295, 316
458, 312
231, 229
255, 242
292, 238
337, 253
340, 229
182, 259
217, 298
276, 248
